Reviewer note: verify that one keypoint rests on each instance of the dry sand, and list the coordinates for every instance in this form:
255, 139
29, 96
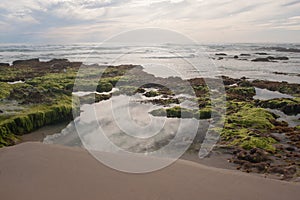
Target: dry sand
38, 171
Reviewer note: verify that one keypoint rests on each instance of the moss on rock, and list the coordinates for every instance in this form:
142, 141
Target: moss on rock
288, 106
178, 112
5, 89
104, 86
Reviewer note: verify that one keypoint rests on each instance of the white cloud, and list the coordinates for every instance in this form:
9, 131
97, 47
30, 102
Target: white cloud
201, 19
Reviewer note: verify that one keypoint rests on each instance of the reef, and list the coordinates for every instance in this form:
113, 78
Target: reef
35, 93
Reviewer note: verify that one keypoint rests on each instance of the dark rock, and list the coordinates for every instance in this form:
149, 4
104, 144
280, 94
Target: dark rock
278, 58
276, 169
235, 57
221, 54
286, 88
261, 54
261, 60
253, 156
4, 64
281, 58
261, 167
271, 58
220, 58
140, 90
245, 54
26, 62
62, 60
289, 171
290, 149
1, 111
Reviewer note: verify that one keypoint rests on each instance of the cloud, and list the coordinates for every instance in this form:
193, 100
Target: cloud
204, 20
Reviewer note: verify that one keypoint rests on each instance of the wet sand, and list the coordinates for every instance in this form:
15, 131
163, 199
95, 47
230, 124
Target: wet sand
39, 171
40, 134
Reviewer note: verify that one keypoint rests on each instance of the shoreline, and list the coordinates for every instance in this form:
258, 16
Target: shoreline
216, 159
39, 134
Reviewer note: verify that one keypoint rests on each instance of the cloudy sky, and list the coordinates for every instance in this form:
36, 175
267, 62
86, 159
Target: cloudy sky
206, 21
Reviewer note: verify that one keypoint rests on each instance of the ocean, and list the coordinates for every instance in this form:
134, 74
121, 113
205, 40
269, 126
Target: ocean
175, 59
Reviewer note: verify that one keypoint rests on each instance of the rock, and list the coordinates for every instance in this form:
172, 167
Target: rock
261, 54
271, 58
4, 64
278, 58
288, 106
289, 171
221, 54
151, 93
276, 169
285, 88
26, 62
282, 58
290, 149
253, 156
62, 60
261, 167
235, 57
261, 60
245, 54
220, 58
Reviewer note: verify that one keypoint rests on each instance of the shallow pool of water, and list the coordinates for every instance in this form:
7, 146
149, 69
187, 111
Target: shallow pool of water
264, 94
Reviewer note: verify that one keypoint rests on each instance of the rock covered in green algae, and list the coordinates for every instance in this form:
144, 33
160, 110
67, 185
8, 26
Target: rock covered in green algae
283, 87
45, 97
42, 99
178, 112
288, 106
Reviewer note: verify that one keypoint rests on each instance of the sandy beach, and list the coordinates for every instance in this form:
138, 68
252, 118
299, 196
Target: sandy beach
38, 171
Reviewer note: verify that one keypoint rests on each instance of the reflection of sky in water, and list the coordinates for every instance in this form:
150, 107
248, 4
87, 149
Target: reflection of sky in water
144, 132
292, 120
264, 94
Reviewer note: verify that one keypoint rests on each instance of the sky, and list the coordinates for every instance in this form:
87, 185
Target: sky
205, 21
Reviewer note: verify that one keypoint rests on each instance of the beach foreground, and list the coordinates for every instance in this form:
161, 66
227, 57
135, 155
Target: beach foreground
39, 171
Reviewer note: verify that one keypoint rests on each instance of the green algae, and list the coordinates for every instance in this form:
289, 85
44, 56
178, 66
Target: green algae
36, 116
152, 93
245, 91
44, 99
93, 98
179, 112
104, 86
282, 87
251, 142
241, 93
126, 90
5, 89
288, 106
251, 117
248, 126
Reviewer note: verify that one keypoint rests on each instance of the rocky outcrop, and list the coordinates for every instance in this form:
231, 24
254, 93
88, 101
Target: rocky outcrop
278, 58
245, 54
4, 64
221, 54
261, 60
30, 62
261, 54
